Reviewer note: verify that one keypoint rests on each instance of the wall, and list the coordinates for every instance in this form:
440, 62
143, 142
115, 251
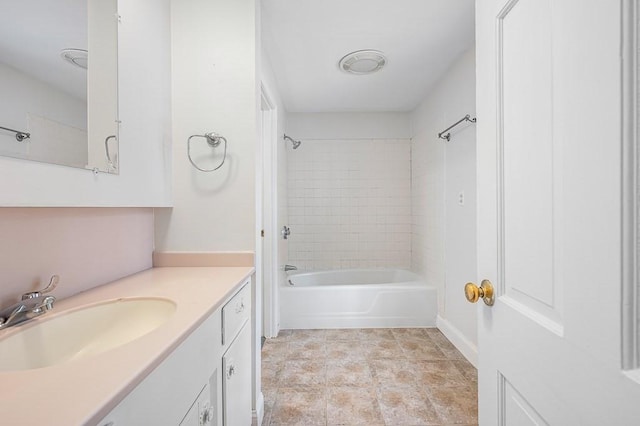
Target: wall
214, 89
86, 247
144, 109
350, 197
444, 229
349, 125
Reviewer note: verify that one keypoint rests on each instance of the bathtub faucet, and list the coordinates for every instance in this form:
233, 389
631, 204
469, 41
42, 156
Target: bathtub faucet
288, 268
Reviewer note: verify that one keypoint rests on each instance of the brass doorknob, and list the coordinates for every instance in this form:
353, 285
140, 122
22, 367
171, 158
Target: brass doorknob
485, 292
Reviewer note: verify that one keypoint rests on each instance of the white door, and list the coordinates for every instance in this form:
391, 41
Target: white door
551, 234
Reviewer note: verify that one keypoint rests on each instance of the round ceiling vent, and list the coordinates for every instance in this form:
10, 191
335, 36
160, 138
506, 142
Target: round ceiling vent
363, 62
77, 57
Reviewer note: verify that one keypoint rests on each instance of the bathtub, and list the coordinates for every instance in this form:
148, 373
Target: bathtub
357, 298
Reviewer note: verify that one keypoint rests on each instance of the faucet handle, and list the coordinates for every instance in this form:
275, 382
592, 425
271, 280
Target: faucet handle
53, 283
5, 322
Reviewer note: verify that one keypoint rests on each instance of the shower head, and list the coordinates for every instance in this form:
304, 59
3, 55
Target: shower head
295, 143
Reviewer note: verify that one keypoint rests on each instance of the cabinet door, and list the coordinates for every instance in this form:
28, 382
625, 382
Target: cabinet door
236, 392
201, 412
191, 419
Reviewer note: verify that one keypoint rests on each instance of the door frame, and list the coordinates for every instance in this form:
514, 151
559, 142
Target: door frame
630, 185
269, 211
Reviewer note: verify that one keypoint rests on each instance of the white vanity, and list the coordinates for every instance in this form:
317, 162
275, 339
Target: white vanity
193, 369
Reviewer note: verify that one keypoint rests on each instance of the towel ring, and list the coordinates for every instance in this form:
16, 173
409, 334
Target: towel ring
213, 140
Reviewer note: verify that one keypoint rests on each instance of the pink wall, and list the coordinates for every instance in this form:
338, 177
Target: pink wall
87, 247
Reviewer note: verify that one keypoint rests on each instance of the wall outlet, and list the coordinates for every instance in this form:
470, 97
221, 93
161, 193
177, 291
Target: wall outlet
461, 198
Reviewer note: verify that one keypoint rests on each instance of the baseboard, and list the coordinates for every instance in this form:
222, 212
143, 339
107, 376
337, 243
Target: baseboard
466, 347
258, 413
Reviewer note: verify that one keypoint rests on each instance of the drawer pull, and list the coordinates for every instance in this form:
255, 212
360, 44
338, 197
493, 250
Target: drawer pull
240, 307
206, 417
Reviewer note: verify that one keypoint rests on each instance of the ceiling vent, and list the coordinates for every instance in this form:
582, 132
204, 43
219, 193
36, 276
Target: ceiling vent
363, 62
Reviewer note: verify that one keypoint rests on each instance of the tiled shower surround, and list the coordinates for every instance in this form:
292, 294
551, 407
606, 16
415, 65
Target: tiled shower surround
396, 377
350, 204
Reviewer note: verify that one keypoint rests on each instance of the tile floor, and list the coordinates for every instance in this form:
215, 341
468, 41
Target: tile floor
400, 377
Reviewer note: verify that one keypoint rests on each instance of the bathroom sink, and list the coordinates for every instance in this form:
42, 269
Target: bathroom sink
81, 333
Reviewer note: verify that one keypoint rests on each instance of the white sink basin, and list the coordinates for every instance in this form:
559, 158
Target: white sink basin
81, 333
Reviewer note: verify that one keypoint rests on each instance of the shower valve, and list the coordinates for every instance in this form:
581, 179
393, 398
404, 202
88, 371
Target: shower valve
286, 232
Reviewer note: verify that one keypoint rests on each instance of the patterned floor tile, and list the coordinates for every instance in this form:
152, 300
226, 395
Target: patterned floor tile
376, 377
382, 349
420, 349
300, 407
398, 372
308, 349
353, 406
306, 335
305, 373
348, 373
406, 406
346, 349
456, 404
439, 374
275, 351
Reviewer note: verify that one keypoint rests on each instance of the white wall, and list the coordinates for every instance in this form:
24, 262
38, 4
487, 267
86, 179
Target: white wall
214, 90
349, 125
444, 245
86, 247
144, 108
349, 188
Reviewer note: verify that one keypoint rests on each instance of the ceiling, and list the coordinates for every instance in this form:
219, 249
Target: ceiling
32, 34
305, 39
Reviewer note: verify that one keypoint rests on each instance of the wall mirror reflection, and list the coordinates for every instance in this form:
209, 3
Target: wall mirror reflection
59, 83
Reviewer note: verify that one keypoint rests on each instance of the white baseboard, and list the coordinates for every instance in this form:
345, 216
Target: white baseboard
258, 413
466, 347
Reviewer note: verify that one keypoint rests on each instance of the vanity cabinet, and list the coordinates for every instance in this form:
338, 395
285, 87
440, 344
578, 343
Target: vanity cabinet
205, 381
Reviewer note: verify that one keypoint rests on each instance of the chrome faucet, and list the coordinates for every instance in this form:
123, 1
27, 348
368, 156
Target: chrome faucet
288, 268
33, 304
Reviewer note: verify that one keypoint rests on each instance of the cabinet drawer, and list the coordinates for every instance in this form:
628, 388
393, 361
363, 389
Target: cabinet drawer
235, 313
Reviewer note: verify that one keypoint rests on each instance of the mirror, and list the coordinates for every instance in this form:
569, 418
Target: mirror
59, 84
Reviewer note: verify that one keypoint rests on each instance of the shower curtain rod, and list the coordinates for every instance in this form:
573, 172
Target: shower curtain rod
447, 136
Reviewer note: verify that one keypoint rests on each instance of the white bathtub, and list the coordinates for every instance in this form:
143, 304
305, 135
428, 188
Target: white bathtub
357, 298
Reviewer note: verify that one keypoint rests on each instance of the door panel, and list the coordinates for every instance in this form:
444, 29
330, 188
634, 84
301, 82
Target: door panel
516, 408
528, 152
549, 179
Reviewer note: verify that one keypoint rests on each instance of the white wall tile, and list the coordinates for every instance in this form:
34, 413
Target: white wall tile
350, 204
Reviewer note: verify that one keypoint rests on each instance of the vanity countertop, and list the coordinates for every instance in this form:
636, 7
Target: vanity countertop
86, 390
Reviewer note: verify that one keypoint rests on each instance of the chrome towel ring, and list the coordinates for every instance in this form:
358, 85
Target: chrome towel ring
213, 140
